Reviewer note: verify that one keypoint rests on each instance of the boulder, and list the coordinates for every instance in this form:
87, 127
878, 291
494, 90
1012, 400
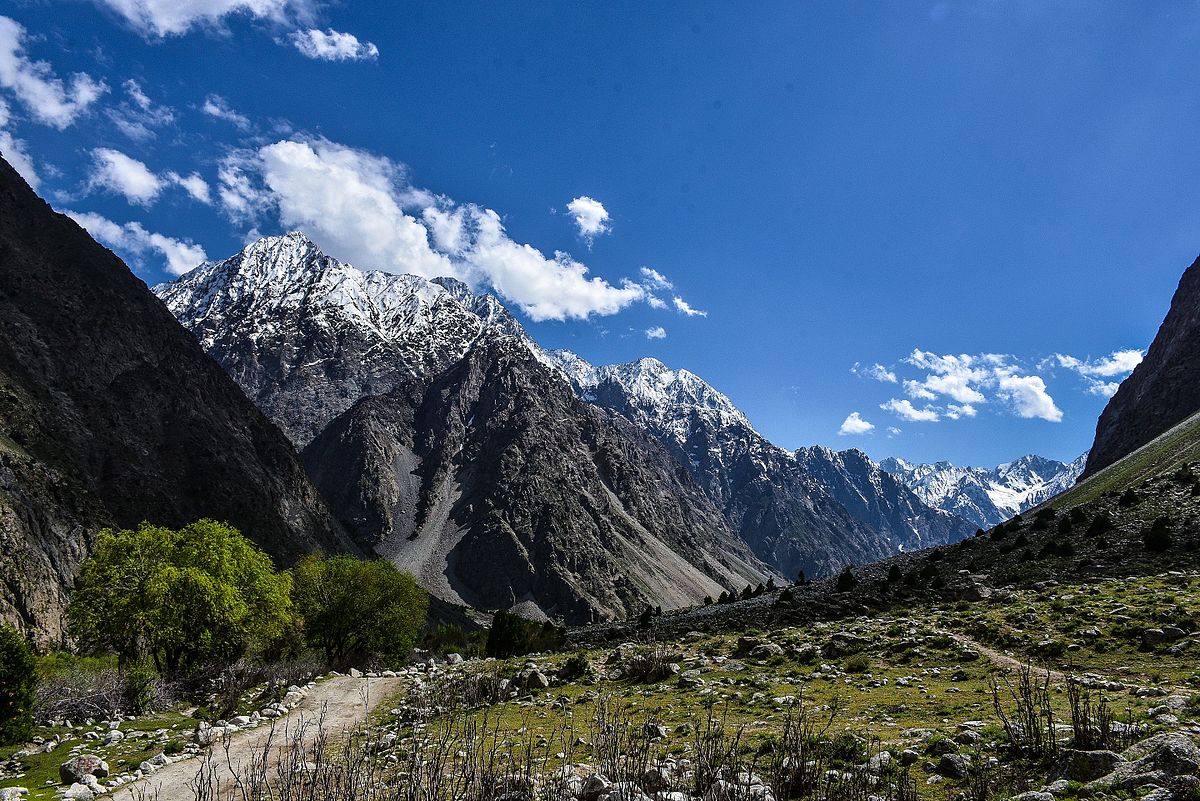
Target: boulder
73, 770
1086, 766
956, 766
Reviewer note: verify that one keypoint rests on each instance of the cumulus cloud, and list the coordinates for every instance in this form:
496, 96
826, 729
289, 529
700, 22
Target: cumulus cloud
217, 107
904, 409
655, 302
193, 184
1028, 396
590, 216
1094, 371
683, 306
134, 242
124, 175
15, 150
363, 209
955, 411
653, 279
333, 45
657, 332
48, 98
893, 432
160, 18
876, 372
137, 116
854, 424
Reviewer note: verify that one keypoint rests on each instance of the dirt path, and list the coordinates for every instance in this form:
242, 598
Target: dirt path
341, 704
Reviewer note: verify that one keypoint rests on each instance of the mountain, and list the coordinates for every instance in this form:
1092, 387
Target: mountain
881, 500
1162, 391
987, 496
499, 488
111, 413
786, 515
306, 335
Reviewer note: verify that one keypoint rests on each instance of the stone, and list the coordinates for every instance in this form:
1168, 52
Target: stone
73, 770
454, 659
957, 766
1086, 766
355, 673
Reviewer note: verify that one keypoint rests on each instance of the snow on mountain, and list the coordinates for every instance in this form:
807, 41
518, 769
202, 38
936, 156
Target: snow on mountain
987, 496
306, 335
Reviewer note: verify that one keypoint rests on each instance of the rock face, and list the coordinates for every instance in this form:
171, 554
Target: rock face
987, 496
784, 513
110, 414
498, 487
1163, 390
879, 499
306, 336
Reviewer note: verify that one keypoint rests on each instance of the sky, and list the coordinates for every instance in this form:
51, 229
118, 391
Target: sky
933, 230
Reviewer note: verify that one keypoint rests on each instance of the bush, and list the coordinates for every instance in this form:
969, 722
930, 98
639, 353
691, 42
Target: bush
513, 635
1129, 498
1101, 524
1157, 538
18, 687
846, 580
1065, 526
182, 598
453, 638
356, 610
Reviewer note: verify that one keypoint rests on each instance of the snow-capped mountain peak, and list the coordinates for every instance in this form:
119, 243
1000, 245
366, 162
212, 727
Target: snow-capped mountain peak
987, 496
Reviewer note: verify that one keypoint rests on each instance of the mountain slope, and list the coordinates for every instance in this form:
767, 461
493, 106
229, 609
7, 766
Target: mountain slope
986, 496
306, 336
499, 488
1162, 391
110, 414
787, 516
881, 500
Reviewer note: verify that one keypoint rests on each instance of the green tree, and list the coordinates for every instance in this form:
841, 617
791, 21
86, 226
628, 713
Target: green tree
513, 635
183, 598
846, 580
18, 681
355, 609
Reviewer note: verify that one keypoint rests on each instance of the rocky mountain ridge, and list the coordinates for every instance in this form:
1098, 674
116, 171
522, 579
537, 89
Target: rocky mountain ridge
987, 496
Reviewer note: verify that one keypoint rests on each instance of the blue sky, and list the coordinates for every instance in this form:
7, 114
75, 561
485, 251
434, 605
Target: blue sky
1010, 184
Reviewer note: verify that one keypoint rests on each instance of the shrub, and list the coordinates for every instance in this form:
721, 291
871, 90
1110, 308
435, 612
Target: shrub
182, 598
846, 580
1157, 538
1129, 498
453, 638
894, 574
858, 663
356, 609
513, 635
1065, 526
18, 685
1101, 524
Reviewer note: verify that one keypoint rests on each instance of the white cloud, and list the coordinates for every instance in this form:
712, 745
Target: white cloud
1117, 363
15, 150
893, 431
217, 107
48, 98
138, 116
854, 424
333, 45
159, 18
1105, 389
363, 209
655, 302
657, 332
876, 372
1028, 396
955, 411
193, 184
686, 308
904, 409
591, 218
134, 242
653, 279
124, 175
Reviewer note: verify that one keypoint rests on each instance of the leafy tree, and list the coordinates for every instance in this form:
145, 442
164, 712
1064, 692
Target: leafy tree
1129, 498
1065, 525
895, 574
1101, 524
18, 681
800, 579
513, 635
182, 598
354, 609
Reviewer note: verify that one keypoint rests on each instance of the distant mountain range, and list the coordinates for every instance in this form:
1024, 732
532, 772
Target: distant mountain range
987, 496
397, 387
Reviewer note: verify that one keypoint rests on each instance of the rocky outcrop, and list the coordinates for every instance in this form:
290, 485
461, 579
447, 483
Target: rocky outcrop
110, 414
499, 488
1163, 390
